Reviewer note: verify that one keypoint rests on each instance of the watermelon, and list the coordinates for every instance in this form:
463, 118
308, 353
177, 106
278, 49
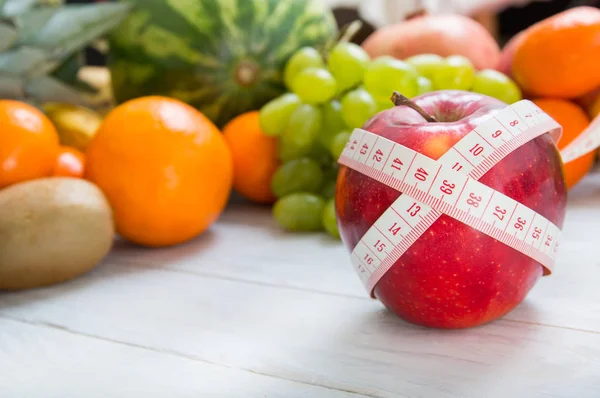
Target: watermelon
224, 57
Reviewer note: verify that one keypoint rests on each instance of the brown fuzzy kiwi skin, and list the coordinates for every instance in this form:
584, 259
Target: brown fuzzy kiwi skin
51, 231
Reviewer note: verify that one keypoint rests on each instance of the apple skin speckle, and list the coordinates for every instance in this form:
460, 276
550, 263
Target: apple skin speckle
454, 276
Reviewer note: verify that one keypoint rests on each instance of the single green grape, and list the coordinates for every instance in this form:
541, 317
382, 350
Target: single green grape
457, 73
358, 106
347, 61
304, 125
275, 114
425, 85
314, 85
305, 57
339, 143
299, 135
300, 211
496, 84
330, 219
386, 75
298, 175
425, 64
333, 122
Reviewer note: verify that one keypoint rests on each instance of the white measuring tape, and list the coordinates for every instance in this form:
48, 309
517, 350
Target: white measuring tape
431, 188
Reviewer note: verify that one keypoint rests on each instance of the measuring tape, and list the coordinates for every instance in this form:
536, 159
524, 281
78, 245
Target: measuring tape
449, 186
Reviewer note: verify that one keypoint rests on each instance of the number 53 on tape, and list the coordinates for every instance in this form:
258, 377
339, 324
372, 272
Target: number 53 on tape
431, 188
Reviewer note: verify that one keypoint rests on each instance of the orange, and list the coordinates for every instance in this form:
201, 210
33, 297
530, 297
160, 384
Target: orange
560, 56
28, 143
164, 167
574, 120
254, 157
70, 162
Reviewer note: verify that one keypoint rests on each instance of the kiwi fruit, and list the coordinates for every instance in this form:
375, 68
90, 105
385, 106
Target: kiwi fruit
52, 230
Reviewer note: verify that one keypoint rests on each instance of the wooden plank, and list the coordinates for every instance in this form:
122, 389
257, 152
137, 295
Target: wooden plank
251, 247
337, 342
42, 362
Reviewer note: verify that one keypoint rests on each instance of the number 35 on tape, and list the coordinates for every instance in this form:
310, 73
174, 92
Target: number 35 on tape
450, 186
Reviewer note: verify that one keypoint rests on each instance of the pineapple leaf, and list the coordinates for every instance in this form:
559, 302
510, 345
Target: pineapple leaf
12, 8
67, 29
68, 70
8, 36
49, 89
25, 62
29, 24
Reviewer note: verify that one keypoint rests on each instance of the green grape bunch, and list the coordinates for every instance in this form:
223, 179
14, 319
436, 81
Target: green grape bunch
312, 122
332, 94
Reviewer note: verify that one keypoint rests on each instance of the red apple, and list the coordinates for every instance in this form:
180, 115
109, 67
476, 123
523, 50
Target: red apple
454, 276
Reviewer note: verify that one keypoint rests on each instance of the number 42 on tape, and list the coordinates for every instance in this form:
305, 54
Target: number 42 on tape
457, 192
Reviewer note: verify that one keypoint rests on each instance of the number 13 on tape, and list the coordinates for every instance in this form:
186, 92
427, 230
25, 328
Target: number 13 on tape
449, 186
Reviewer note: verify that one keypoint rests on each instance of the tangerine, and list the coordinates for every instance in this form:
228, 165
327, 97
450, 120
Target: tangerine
574, 120
560, 56
255, 157
70, 162
164, 167
28, 143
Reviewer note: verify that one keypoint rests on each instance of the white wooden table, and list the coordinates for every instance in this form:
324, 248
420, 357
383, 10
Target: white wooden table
248, 311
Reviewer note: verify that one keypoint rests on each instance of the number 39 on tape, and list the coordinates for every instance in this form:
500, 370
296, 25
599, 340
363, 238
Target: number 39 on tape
449, 186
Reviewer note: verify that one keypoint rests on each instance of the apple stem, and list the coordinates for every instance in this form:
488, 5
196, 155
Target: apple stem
398, 99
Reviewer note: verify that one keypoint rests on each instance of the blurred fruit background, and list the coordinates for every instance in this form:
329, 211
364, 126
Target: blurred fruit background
169, 107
